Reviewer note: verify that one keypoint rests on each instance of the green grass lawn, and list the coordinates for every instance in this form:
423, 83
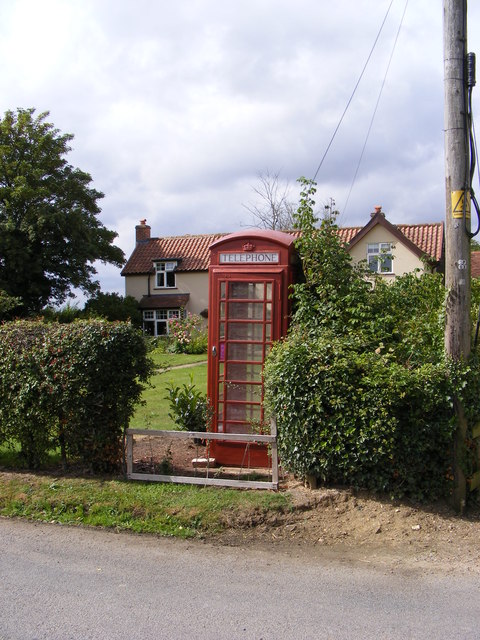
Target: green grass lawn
164, 509
154, 413
163, 360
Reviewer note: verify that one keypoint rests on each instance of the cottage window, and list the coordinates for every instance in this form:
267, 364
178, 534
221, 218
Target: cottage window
155, 323
379, 257
165, 275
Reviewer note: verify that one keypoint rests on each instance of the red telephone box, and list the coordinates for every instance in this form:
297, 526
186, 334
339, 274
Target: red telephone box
249, 277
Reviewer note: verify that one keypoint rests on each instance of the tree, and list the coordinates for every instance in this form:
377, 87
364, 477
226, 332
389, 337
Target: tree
113, 306
8, 304
273, 209
50, 234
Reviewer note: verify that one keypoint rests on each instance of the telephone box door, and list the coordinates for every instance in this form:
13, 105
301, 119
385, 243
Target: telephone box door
247, 322
249, 278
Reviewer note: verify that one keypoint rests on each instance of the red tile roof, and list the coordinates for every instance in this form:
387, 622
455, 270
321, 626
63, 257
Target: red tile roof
348, 233
427, 237
193, 254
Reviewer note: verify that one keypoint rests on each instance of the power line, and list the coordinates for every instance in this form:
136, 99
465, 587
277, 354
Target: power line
354, 91
376, 107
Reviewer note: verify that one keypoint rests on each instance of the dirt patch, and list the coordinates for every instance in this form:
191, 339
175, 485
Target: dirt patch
363, 528
355, 526
170, 455
173, 456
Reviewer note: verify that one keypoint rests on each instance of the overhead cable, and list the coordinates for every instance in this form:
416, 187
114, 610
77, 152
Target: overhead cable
353, 92
376, 107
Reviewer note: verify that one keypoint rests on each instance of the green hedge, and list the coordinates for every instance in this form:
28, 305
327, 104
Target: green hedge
70, 386
359, 418
362, 387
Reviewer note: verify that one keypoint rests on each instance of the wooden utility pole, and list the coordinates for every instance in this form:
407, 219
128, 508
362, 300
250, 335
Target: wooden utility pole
457, 240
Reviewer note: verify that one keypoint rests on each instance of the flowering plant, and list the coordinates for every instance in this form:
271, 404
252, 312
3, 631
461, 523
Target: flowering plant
188, 334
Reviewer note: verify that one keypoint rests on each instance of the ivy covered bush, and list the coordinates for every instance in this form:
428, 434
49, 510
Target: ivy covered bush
360, 418
70, 386
361, 387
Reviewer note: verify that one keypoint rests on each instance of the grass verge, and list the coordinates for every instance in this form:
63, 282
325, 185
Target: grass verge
161, 509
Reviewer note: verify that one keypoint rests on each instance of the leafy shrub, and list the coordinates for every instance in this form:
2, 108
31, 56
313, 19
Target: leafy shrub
189, 407
188, 335
64, 315
73, 386
24, 396
113, 306
360, 418
361, 387
157, 343
8, 305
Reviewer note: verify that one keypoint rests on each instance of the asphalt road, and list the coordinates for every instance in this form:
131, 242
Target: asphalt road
67, 583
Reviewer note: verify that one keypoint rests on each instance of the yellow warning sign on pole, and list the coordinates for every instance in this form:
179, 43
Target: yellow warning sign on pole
459, 203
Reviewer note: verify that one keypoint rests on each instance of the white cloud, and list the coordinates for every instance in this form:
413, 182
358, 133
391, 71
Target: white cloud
176, 107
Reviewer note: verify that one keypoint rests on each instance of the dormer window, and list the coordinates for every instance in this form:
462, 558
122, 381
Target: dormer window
165, 275
379, 257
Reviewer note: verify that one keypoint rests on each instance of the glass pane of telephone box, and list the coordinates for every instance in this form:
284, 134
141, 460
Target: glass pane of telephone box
246, 392
246, 311
243, 412
268, 332
245, 372
235, 427
245, 331
245, 351
247, 290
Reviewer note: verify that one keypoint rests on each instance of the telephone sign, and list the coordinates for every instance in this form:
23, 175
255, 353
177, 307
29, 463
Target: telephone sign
249, 258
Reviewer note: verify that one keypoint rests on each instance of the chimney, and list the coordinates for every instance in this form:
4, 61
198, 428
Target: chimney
142, 232
378, 209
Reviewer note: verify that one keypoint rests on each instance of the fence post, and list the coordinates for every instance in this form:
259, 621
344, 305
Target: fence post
273, 432
129, 454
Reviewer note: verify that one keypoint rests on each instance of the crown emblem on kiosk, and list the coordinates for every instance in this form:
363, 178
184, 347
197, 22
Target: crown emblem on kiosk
248, 246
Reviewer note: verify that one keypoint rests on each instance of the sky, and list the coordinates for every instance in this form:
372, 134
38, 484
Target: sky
178, 107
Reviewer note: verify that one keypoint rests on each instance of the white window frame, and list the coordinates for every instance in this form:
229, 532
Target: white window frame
161, 317
380, 257
165, 277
